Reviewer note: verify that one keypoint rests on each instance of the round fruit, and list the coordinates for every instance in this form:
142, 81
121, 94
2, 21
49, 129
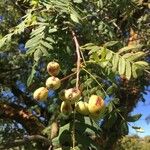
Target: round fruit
82, 108
40, 93
96, 103
99, 114
66, 108
53, 83
72, 95
53, 68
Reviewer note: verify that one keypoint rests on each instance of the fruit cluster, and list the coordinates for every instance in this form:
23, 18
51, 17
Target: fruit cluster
69, 96
52, 83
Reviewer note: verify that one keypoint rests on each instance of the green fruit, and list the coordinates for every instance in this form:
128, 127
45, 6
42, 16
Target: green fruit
82, 108
72, 95
66, 108
53, 83
96, 103
40, 93
53, 68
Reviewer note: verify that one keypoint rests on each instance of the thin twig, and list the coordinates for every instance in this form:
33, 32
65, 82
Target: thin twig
78, 58
67, 77
77, 82
73, 131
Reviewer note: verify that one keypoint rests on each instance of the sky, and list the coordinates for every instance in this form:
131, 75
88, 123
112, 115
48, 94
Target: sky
144, 109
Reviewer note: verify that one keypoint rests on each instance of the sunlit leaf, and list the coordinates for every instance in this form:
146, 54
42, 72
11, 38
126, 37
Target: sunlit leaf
128, 70
122, 66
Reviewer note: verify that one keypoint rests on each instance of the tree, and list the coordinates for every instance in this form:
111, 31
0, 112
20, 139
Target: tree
102, 48
133, 142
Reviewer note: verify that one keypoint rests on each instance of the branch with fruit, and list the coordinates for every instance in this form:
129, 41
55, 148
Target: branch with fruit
72, 100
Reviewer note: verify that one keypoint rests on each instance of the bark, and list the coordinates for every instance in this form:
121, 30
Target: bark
22, 116
25, 141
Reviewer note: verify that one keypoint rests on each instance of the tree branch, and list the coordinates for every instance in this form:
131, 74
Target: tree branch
78, 58
22, 116
26, 140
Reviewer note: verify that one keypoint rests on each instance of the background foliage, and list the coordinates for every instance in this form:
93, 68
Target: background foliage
114, 45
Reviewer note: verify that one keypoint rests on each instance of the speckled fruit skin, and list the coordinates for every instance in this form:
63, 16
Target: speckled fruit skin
82, 108
40, 93
53, 83
72, 95
53, 68
66, 108
95, 104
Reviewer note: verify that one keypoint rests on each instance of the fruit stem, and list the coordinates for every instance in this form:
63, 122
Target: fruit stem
73, 131
67, 77
78, 58
95, 81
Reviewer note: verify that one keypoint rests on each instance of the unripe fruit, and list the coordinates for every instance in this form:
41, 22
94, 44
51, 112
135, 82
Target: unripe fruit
66, 108
96, 103
53, 83
72, 95
40, 93
82, 108
53, 68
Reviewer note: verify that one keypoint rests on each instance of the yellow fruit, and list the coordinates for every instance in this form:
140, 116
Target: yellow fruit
96, 103
53, 68
97, 115
66, 108
72, 95
40, 93
53, 83
82, 108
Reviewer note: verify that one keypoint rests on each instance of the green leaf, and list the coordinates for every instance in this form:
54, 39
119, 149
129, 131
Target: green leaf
124, 128
109, 55
134, 71
122, 66
115, 61
112, 89
34, 41
142, 63
128, 48
111, 43
46, 44
37, 31
135, 127
74, 18
37, 54
110, 107
136, 56
128, 70
77, 1
30, 78
111, 119
2, 41
52, 30
44, 51
134, 118
127, 55
50, 40
141, 130
138, 129
93, 49
95, 57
